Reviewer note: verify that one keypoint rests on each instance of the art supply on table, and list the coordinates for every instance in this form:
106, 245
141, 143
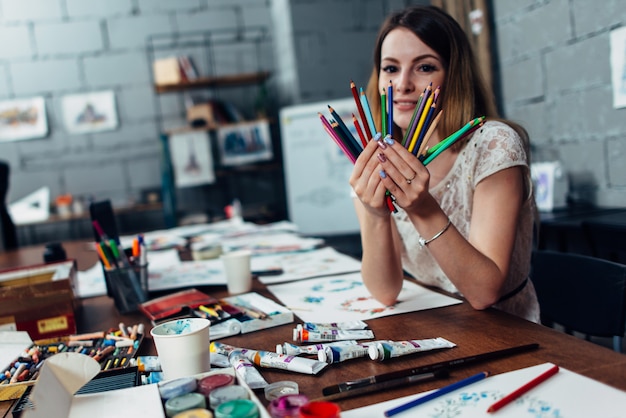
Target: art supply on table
109, 348
446, 364
279, 389
273, 360
227, 393
388, 384
177, 387
523, 389
208, 384
311, 349
182, 346
331, 335
320, 409
195, 413
337, 354
179, 404
437, 393
238, 408
247, 371
386, 350
314, 326
287, 406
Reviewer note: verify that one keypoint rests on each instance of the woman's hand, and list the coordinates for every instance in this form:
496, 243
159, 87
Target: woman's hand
403, 175
366, 182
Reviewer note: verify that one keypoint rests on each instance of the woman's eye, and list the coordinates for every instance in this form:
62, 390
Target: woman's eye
426, 68
390, 69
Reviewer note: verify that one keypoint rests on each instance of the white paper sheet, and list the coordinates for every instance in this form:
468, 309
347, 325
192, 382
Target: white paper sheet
305, 265
566, 394
345, 298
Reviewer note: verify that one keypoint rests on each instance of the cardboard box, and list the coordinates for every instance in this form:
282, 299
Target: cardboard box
202, 112
39, 299
166, 71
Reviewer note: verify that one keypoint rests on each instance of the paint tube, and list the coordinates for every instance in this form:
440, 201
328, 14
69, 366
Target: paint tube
386, 350
295, 350
332, 335
225, 349
312, 326
219, 360
225, 329
273, 360
337, 354
246, 370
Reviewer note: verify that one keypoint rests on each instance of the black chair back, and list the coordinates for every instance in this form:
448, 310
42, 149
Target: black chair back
607, 241
7, 227
581, 293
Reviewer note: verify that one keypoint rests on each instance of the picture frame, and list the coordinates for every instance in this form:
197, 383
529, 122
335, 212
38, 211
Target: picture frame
618, 66
89, 112
192, 159
22, 119
245, 143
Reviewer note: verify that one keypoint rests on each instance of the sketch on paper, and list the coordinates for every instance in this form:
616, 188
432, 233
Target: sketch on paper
344, 296
23, 119
191, 156
89, 112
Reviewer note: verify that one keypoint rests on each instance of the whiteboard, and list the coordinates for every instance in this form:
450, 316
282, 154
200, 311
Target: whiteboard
317, 172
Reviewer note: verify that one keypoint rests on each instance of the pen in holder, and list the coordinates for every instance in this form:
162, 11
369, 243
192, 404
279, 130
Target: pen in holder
128, 285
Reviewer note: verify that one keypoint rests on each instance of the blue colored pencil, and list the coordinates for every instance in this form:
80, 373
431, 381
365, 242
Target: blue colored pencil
371, 126
440, 392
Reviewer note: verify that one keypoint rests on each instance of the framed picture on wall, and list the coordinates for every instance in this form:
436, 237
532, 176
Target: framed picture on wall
618, 66
245, 143
23, 119
89, 112
190, 153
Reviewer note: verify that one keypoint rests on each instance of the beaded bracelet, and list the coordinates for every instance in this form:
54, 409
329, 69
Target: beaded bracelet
424, 242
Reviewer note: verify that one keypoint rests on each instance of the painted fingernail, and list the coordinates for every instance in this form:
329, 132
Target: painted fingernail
389, 139
377, 136
382, 173
382, 145
381, 157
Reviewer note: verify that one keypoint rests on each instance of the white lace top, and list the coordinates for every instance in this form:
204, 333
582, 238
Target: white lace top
494, 147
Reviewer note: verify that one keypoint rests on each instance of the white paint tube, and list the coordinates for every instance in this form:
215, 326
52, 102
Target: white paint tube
246, 370
313, 326
312, 349
284, 362
225, 349
337, 354
386, 350
332, 335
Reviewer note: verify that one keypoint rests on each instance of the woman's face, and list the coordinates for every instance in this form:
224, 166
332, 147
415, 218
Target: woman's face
411, 66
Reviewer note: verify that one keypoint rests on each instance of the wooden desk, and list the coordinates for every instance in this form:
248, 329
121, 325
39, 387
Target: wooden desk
473, 331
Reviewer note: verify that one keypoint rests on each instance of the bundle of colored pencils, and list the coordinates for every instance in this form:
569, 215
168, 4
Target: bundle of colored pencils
423, 123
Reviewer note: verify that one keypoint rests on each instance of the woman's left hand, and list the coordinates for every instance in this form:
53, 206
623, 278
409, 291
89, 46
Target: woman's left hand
403, 174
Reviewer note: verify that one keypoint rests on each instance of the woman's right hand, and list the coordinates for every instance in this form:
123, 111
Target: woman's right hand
366, 182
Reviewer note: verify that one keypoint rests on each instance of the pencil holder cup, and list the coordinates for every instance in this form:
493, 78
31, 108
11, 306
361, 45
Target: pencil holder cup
128, 286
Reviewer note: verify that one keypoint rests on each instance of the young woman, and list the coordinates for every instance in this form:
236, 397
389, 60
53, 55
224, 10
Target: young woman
465, 222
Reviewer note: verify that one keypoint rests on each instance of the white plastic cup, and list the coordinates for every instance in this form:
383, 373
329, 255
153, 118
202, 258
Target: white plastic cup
238, 273
183, 347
